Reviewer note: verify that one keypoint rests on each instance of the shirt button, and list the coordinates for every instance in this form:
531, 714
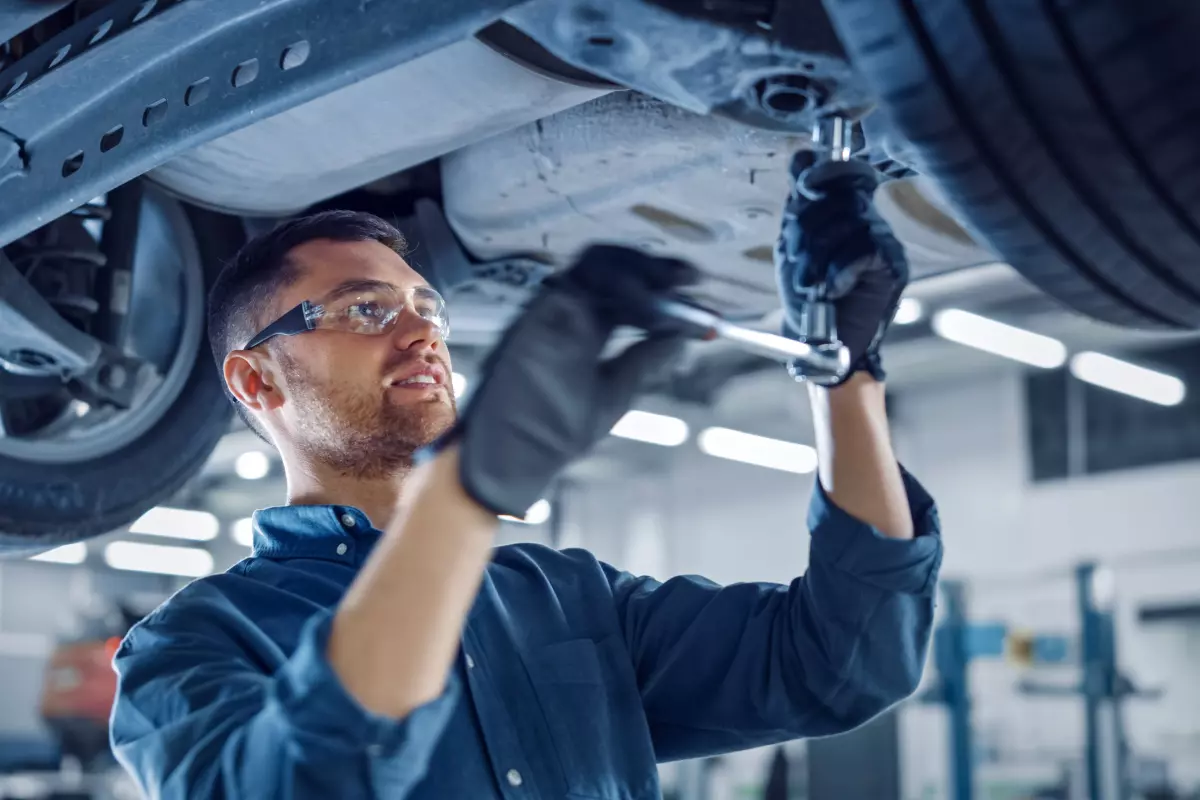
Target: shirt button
470, 662
514, 778
341, 549
348, 521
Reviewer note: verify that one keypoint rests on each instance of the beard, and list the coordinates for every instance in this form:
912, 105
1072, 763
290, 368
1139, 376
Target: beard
361, 433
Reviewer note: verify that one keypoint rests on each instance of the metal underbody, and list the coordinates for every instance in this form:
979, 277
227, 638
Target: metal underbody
263, 109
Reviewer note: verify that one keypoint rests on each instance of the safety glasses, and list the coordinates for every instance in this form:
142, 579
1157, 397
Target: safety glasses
367, 307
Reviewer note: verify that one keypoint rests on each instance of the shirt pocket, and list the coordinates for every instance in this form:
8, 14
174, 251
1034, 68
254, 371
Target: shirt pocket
594, 714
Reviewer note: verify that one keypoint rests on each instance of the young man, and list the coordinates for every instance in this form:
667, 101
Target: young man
376, 645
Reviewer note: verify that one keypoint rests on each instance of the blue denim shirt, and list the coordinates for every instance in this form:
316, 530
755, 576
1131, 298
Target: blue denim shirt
573, 679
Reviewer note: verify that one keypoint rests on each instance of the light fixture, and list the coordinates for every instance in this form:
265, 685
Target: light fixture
177, 523
644, 426
190, 562
252, 465
538, 513
758, 450
1121, 376
458, 382
908, 312
999, 339
242, 531
74, 553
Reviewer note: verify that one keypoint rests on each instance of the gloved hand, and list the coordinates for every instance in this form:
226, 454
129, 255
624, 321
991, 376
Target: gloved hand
545, 396
837, 248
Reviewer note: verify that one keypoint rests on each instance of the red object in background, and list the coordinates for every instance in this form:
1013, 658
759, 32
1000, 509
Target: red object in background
80, 683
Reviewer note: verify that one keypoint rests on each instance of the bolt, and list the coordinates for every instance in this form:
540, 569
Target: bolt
114, 376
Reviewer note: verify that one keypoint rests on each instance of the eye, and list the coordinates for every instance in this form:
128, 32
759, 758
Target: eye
429, 305
365, 314
367, 310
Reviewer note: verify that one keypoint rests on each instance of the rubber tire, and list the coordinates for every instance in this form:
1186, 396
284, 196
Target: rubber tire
44, 505
1064, 131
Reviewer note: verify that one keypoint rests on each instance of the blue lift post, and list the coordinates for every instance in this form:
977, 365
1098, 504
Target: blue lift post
1102, 687
1102, 684
957, 642
952, 656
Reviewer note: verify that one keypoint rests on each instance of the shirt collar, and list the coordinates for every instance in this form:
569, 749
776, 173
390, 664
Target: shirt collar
334, 533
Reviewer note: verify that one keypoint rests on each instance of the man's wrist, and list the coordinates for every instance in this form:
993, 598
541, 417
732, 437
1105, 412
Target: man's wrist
856, 388
441, 476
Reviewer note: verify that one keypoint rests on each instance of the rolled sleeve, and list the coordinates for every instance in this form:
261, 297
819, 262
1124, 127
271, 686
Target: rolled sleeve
851, 546
194, 716
316, 703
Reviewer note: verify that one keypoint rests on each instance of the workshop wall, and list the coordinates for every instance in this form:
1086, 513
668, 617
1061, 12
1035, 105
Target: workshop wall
1014, 541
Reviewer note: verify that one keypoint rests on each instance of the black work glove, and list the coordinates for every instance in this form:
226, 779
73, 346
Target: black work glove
838, 249
545, 396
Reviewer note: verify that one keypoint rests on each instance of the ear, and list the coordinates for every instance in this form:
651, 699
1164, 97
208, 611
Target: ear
250, 382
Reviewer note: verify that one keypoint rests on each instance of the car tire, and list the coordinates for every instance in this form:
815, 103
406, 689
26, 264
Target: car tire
1064, 132
43, 505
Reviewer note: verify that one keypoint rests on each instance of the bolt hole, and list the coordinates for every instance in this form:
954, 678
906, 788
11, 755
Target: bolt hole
111, 139
789, 94
17, 83
101, 32
197, 92
60, 56
786, 102
295, 55
72, 165
144, 10
154, 113
245, 73
601, 41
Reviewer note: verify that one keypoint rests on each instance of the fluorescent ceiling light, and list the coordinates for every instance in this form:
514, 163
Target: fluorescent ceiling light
643, 426
999, 339
252, 465
538, 513
242, 531
908, 312
757, 450
189, 562
67, 554
459, 383
1121, 376
177, 523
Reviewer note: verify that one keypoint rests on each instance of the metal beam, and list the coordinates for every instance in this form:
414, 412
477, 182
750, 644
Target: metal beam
139, 82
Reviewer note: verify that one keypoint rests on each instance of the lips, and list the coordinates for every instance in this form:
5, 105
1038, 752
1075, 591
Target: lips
422, 375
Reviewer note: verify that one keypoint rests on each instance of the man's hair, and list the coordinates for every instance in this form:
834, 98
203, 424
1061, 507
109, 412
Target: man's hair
243, 294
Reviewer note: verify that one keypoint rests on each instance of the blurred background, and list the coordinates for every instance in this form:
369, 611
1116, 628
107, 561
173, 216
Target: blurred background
1068, 624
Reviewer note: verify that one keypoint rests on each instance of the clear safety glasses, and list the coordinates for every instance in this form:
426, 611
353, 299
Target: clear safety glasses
367, 307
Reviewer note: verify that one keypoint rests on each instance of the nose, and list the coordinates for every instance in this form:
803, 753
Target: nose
413, 331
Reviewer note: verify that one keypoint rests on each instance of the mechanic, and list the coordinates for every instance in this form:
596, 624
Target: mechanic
377, 645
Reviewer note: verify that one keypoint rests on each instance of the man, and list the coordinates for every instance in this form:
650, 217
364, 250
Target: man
376, 645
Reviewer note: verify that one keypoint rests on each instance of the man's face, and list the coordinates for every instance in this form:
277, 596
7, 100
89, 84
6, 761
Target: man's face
346, 400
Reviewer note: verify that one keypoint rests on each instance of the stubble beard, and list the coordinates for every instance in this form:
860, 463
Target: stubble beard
364, 435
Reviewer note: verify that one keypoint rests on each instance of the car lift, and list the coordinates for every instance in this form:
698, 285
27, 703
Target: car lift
1102, 685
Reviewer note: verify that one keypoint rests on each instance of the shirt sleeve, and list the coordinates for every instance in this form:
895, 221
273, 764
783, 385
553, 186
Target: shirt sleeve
723, 668
193, 718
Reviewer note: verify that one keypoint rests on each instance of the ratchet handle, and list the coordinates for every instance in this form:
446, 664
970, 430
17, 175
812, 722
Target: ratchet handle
825, 362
